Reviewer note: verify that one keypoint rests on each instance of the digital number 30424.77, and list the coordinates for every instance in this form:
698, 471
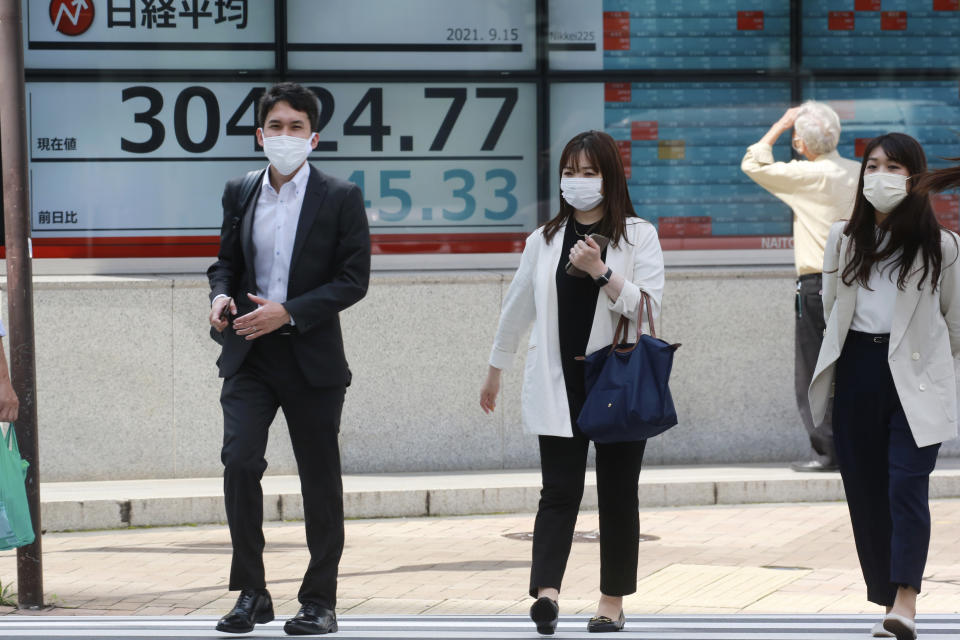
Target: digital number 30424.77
369, 108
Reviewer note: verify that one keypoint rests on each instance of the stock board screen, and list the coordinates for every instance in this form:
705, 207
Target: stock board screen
665, 34
881, 34
681, 143
144, 163
928, 110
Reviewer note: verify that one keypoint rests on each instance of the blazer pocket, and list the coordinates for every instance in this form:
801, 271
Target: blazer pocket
941, 371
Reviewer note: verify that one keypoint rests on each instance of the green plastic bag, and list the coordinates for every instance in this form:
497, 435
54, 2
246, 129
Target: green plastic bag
16, 528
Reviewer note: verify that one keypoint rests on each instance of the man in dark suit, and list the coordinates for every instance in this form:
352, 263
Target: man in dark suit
294, 252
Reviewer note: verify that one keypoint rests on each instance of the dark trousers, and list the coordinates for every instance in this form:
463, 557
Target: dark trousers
808, 336
563, 465
270, 378
885, 475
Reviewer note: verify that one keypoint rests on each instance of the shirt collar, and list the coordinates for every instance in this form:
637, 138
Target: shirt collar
829, 155
299, 178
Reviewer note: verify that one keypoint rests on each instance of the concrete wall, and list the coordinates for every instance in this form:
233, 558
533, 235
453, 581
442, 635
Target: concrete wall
127, 386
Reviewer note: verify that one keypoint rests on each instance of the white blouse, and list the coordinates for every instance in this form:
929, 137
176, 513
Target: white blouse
873, 312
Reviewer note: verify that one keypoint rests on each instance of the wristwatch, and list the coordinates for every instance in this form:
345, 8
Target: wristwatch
603, 280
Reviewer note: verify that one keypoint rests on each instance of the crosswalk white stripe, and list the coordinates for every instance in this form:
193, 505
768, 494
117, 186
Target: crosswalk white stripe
646, 627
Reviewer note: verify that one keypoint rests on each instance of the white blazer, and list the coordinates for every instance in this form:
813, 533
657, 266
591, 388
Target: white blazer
532, 297
924, 339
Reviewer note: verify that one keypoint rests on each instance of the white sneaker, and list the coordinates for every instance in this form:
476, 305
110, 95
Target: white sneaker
902, 628
879, 632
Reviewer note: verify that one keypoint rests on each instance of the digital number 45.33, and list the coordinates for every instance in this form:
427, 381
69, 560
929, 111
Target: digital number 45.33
462, 183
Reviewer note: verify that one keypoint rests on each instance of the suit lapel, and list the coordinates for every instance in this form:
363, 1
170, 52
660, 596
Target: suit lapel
312, 201
906, 304
246, 234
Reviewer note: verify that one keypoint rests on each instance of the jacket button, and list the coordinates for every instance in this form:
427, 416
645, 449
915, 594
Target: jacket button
915, 356
923, 387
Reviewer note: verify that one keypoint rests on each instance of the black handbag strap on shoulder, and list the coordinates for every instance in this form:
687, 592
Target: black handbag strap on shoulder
248, 186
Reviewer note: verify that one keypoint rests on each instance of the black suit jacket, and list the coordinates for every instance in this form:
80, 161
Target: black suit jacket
329, 271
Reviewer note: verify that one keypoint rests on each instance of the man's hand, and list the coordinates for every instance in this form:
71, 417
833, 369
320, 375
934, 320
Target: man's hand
9, 403
218, 317
785, 123
268, 318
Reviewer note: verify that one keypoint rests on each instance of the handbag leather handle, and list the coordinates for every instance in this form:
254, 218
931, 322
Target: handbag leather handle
624, 323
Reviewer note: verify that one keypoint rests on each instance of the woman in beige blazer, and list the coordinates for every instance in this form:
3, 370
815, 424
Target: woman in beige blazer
891, 298
573, 315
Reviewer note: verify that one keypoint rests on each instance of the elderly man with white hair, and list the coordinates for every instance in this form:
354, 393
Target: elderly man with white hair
820, 190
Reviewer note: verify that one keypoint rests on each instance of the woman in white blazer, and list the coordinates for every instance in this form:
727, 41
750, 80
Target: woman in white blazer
891, 298
573, 316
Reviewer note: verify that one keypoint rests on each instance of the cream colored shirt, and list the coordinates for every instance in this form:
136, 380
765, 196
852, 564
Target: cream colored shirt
820, 192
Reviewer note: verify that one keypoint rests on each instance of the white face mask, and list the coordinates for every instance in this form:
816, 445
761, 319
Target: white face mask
286, 153
884, 190
583, 194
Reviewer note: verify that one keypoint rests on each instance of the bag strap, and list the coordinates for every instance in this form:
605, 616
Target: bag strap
248, 186
624, 323
10, 439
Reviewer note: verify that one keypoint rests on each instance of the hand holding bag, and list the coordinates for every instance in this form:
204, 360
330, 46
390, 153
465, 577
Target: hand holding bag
16, 527
628, 395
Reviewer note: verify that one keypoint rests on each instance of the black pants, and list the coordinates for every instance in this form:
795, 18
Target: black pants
270, 378
885, 475
808, 336
563, 465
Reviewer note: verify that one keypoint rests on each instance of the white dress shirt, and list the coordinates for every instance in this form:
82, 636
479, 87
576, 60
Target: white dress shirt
274, 230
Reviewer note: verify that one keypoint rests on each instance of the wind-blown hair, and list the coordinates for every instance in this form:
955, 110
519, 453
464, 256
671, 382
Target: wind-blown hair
818, 125
602, 153
939, 180
912, 227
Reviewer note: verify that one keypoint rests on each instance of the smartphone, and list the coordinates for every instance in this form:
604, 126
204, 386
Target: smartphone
225, 312
602, 242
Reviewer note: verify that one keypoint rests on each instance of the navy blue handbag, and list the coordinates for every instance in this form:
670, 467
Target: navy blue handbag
628, 395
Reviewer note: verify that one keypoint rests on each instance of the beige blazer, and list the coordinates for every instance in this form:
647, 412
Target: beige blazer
532, 298
924, 340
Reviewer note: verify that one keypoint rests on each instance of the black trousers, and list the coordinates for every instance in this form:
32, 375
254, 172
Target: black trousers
886, 476
809, 329
270, 378
563, 465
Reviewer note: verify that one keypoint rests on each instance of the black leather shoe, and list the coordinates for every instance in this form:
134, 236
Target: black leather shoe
545, 613
312, 619
813, 465
603, 624
254, 606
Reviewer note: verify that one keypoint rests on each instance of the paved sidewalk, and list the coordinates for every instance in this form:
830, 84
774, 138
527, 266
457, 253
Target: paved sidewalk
133, 503
773, 558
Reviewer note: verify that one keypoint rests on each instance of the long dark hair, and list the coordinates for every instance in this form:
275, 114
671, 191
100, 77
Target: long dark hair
912, 227
939, 180
601, 150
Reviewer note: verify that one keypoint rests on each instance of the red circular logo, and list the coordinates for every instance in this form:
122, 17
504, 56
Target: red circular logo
71, 17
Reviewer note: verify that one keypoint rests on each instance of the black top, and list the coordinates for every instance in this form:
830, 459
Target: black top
576, 306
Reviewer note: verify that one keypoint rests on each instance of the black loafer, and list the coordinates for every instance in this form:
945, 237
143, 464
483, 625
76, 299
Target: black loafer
545, 613
603, 624
312, 619
254, 606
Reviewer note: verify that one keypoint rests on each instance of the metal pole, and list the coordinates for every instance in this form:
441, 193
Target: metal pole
16, 207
